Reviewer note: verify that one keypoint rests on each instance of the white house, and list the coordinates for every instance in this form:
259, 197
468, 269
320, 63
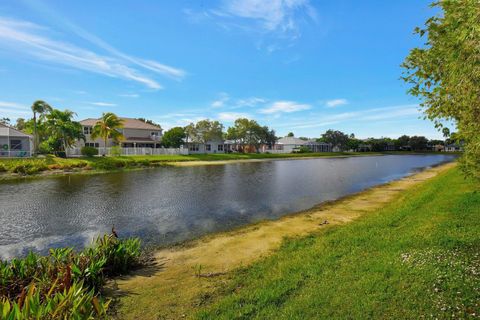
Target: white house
214, 146
14, 143
292, 144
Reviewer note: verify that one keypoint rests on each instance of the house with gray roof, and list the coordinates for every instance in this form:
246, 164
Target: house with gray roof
15, 143
293, 144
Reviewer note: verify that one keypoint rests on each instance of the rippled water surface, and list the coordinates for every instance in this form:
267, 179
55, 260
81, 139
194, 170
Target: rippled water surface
167, 205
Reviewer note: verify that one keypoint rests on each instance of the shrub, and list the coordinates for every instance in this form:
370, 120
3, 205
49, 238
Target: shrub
3, 168
64, 284
29, 168
303, 149
89, 151
116, 151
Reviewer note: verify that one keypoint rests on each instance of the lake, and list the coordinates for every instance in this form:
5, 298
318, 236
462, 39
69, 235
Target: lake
171, 204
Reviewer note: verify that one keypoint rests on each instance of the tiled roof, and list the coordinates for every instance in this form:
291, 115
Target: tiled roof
128, 123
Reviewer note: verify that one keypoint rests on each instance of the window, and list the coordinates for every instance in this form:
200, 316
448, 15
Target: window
87, 130
91, 144
208, 147
156, 134
193, 147
220, 147
15, 144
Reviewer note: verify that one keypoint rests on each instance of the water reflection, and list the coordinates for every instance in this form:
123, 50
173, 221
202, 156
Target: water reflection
167, 205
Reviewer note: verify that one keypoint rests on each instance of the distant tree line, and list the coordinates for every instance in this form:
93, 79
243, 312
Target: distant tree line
55, 131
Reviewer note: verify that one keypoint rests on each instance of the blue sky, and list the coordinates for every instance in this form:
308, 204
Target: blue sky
295, 65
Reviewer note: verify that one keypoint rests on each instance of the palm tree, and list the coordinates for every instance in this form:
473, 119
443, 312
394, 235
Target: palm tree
108, 127
38, 107
61, 126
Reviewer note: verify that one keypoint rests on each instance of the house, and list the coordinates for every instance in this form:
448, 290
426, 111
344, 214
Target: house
364, 147
214, 146
389, 146
454, 147
15, 143
136, 133
293, 144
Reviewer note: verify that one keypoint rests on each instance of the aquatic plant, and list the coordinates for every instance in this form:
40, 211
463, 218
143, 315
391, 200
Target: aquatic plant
64, 284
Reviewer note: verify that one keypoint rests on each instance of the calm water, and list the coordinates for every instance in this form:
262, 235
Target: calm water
168, 205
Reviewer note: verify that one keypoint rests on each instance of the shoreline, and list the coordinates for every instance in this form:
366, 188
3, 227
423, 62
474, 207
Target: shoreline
81, 166
186, 272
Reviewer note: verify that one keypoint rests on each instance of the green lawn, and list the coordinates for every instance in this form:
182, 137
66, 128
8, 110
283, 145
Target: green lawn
416, 258
31, 166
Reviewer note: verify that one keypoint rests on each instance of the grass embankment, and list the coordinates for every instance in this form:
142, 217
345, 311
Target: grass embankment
406, 249
418, 257
13, 168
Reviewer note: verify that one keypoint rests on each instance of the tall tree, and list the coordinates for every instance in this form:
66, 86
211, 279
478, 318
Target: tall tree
108, 127
336, 138
207, 130
39, 107
174, 137
444, 73
21, 124
63, 129
190, 133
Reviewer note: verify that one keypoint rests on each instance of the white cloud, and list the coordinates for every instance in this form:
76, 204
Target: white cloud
220, 102
272, 16
232, 116
130, 95
336, 103
27, 39
250, 102
13, 110
103, 104
284, 107
367, 115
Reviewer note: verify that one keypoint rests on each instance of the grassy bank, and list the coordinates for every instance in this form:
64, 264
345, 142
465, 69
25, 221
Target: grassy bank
12, 168
49, 165
417, 257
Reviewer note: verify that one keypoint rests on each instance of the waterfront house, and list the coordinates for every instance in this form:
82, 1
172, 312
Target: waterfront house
454, 147
15, 143
293, 144
136, 133
214, 146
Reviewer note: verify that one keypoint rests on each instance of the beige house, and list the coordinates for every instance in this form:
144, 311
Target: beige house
136, 133
15, 143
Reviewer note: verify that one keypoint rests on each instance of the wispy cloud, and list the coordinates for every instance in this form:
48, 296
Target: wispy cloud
278, 16
221, 100
14, 110
232, 116
103, 104
29, 39
284, 107
367, 115
250, 102
129, 95
336, 103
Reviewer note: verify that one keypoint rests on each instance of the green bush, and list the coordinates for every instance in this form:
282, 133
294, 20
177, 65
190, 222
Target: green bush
3, 168
116, 151
64, 284
303, 149
89, 151
29, 168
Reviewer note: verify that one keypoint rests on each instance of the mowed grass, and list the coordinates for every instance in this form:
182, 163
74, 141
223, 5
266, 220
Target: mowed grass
32, 166
418, 257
